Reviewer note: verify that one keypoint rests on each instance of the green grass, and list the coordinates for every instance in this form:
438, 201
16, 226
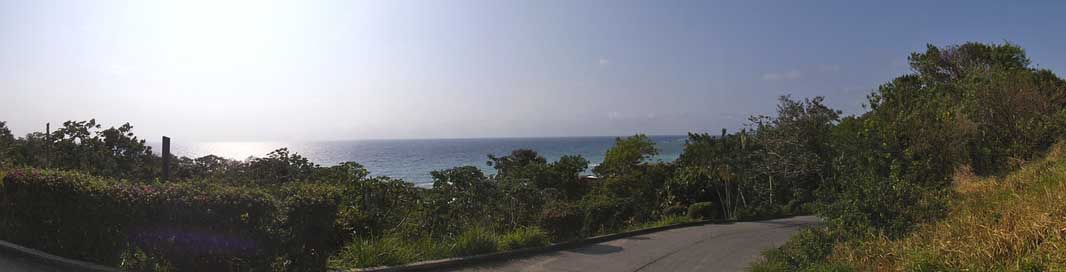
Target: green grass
387, 251
392, 250
523, 238
665, 221
475, 241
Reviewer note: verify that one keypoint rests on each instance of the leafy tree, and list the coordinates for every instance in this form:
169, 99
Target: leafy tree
457, 194
628, 181
7, 144
796, 146
626, 155
347, 172
517, 159
280, 166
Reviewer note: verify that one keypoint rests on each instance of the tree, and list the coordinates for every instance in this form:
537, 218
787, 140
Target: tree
346, 172
796, 145
626, 155
517, 159
7, 145
280, 166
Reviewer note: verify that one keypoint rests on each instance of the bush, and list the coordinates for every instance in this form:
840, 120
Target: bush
523, 238
805, 250
313, 227
702, 210
562, 222
675, 210
187, 225
375, 252
606, 214
474, 241
66, 214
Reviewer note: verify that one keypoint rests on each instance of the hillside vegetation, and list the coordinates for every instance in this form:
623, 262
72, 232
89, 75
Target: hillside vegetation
1012, 223
926, 181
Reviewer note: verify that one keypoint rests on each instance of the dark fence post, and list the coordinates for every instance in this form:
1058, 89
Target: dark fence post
48, 145
166, 158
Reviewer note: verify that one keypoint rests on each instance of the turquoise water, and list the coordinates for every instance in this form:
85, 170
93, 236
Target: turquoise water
412, 160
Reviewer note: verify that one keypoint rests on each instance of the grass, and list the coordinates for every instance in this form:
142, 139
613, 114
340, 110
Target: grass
475, 241
1012, 223
387, 251
665, 221
523, 238
392, 250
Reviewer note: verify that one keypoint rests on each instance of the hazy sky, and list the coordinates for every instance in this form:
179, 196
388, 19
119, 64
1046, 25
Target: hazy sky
329, 70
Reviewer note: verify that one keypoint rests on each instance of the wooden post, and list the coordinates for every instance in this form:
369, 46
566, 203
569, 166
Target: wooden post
166, 158
48, 145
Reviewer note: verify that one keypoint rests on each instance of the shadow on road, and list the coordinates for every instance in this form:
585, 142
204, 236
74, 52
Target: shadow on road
596, 249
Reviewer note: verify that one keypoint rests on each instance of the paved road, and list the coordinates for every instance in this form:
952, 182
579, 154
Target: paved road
712, 247
18, 258
10, 262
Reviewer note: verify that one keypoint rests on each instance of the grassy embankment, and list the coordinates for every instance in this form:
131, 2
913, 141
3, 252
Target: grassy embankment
1011, 223
393, 250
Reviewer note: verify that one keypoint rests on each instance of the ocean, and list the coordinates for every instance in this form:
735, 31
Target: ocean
413, 160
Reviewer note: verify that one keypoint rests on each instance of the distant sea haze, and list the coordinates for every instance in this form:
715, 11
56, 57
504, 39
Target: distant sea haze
413, 160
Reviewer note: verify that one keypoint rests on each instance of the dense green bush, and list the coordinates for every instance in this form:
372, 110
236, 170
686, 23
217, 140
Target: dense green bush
605, 215
523, 238
312, 225
807, 248
702, 210
562, 221
67, 214
186, 225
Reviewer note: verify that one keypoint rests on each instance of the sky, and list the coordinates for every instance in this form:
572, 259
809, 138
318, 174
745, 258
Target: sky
340, 70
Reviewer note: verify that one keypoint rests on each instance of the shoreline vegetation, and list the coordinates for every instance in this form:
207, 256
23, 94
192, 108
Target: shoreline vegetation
877, 178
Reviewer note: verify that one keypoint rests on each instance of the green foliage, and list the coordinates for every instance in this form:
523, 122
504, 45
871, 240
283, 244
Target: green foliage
372, 206
519, 158
563, 221
474, 241
280, 166
626, 155
7, 145
375, 252
605, 214
345, 172
186, 225
702, 210
796, 150
974, 106
524, 237
806, 251
675, 210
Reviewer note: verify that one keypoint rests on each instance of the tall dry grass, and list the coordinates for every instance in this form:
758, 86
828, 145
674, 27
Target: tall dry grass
1013, 223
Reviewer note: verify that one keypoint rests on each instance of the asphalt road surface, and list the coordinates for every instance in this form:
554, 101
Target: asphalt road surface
711, 247
18, 258
10, 262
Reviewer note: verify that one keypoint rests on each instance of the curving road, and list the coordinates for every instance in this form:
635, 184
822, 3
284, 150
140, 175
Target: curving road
10, 262
712, 247
18, 258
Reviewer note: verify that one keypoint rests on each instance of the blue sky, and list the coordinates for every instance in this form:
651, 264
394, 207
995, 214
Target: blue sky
333, 70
